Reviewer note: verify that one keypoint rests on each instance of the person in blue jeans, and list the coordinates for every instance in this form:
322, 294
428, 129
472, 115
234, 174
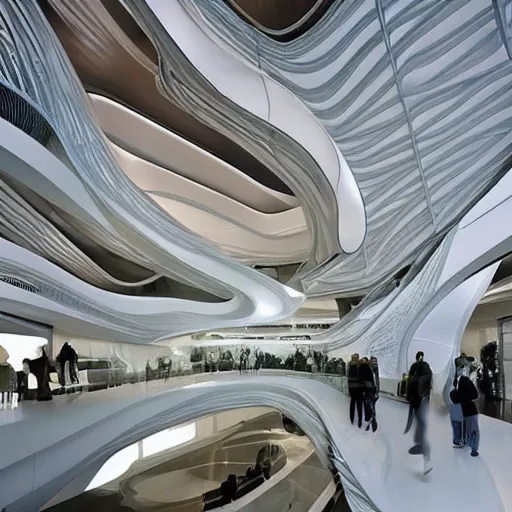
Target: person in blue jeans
419, 385
456, 416
464, 392
457, 421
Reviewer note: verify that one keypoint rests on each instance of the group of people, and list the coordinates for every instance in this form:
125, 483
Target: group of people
363, 387
162, 371
250, 361
32, 382
463, 409
18, 385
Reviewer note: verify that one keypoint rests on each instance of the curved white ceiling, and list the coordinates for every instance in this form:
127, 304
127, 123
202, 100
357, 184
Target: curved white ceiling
151, 141
251, 236
262, 96
158, 181
285, 243
69, 303
417, 100
416, 195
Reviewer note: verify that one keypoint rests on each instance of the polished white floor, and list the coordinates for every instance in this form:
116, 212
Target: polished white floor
391, 477
395, 480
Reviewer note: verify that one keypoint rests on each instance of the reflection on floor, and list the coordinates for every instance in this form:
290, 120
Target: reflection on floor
178, 479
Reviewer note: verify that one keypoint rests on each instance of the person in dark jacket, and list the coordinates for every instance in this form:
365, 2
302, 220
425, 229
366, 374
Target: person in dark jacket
419, 384
242, 361
455, 409
41, 369
343, 368
367, 379
355, 390
374, 365
8, 379
68, 354
464, 392
228, 488
419, 381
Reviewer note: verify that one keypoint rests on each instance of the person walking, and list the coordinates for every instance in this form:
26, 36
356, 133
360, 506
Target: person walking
464, 392
355, 390
418, 394
367, 378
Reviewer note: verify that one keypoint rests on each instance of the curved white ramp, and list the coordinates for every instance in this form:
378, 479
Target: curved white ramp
378, 474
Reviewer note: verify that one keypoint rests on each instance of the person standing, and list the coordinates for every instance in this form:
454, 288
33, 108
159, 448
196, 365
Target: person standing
325, 359
374, 365
259, 361
355, 390
418, 394
8, 380
455, 409
242, 360
251, 358
40, 369
367, 378
310, 363
73, 365
343, 367
464, 392
68, 355
457, 422
168, 368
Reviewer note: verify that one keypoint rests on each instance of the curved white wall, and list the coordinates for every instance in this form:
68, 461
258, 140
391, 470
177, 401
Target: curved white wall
440, 334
